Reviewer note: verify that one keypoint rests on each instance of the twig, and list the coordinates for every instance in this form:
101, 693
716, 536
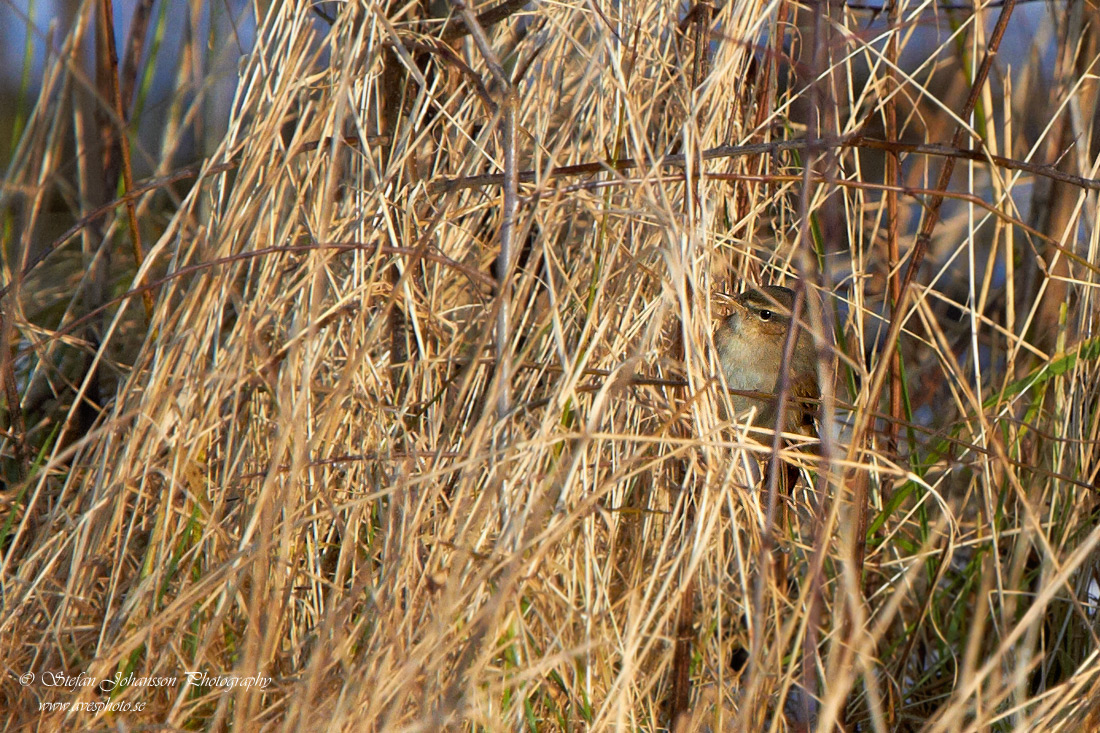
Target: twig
511, 206
98, 213
124, 145
772, 148
384, 249
980, 156
455, 30
924, 238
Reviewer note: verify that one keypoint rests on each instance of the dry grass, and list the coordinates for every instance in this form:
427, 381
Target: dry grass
417, 483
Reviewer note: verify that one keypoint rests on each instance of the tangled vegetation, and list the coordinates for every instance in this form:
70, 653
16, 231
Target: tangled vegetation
392, 402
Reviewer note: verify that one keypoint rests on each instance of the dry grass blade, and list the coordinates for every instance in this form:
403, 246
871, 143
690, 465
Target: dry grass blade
426, 427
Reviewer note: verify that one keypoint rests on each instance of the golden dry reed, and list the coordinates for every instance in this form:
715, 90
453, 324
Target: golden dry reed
424, 429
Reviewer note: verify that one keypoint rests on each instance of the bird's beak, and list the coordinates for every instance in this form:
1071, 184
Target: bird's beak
735, 318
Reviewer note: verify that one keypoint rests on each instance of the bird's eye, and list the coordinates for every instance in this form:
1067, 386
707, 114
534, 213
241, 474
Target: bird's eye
765, 315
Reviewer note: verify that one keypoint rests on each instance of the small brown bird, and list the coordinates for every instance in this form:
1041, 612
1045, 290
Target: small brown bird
750, 343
